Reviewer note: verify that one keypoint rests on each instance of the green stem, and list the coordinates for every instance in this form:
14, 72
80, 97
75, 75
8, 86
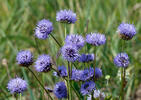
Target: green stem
39, 82
94, 64
65, 30
122, 85
55, 40
69, 93
122, 75
20, 96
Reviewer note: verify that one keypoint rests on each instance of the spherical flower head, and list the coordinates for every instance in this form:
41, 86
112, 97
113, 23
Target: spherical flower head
76, 74
98, 72
62, 71
17, 85
24, 58
66, 16
87, 74
76, 40
85, 58
121, 60
43, 63
96, 39
87, 87
43, 29
60, 90
69, 53
126, 31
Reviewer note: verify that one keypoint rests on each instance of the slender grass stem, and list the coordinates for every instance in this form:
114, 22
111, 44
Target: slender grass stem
55, 40
40, 83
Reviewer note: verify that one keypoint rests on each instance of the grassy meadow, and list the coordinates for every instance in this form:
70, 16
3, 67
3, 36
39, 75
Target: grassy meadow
18, 20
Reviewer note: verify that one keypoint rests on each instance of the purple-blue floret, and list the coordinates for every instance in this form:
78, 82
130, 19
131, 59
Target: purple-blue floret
121, 60
43, 29
76, 74
66, 16
43, 63
85, 58
70, 53
87, 74
24, 58
126, 31
76, 40
60, 90
87, 87
96, 39
17, 85
62, 71
98, 73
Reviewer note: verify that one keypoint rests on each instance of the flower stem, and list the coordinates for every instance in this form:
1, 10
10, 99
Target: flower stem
20, 96
122, 84
68, 82
122, 74
40, 83
65, 30
55, 40
94, 64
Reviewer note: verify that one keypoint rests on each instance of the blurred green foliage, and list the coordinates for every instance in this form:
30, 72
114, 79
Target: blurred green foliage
18, 19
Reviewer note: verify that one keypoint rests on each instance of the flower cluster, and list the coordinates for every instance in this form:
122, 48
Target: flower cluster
70, 52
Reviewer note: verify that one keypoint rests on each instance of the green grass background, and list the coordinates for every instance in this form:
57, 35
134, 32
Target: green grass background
18, 19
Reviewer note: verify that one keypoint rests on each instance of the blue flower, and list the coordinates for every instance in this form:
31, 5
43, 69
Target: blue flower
24, 58
98, 72
62, 71
86, 58
66, 16
43, 63
69, 53
43, 29
76, 40
121, 60
60, 90
76, 74
87, 74
87, 87
126, 31
17, 85
96, 39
